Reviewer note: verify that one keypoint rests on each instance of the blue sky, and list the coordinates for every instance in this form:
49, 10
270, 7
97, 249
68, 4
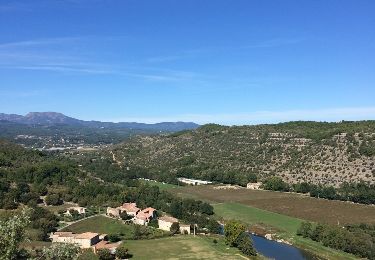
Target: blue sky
229, 62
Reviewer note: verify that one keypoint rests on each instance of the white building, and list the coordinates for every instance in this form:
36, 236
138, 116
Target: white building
193, 181
80, 210
84, 240
166, 222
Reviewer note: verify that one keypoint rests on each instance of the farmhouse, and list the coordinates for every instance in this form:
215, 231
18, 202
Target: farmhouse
185, 229
144, 216
166, 222
83, 240
130, 208
80, 210
113, 212
112, 247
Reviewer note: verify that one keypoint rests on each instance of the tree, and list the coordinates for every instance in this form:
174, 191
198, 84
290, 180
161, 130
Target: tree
12, 233
275, 183
114, 238
124, 215
245, 244
318, 233
213, 226
305, 229
122, 253
53, 199
153, 223
105, 254
175, 228
61, 251
232, 230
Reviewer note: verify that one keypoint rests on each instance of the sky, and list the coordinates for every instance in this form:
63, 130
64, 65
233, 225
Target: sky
207, 61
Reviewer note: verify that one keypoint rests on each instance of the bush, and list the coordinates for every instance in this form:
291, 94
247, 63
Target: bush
175, 228
245, 244
105, 254
305, 229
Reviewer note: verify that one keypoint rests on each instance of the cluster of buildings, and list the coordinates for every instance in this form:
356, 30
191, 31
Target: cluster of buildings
96, 241
85, 240
140, 217
143, 217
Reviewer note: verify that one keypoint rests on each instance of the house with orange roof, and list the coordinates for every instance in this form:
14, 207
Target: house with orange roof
144, 216
130, 208
112, 247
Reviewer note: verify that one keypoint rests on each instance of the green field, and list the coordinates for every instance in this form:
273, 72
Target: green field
182, 247
102, 225
285, 227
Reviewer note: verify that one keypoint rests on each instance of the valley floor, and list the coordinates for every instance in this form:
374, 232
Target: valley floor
290, 204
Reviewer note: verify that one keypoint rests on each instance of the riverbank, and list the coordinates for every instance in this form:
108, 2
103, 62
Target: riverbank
280, 226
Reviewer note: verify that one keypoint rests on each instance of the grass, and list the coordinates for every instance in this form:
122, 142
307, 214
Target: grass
250, 215
102, 225
286, 226
182, 247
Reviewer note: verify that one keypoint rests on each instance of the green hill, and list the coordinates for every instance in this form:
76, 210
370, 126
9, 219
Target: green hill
320, 153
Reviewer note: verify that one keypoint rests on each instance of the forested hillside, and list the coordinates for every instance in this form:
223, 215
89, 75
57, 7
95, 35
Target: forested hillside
319, 153
40, 180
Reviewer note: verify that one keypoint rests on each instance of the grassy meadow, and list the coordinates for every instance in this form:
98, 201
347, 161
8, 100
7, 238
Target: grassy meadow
182, 247
102, 225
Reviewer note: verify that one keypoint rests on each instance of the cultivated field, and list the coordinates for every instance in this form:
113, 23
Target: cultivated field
290, 204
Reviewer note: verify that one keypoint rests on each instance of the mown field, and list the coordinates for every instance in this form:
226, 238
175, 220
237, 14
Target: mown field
101, 225
290, 204
182, 247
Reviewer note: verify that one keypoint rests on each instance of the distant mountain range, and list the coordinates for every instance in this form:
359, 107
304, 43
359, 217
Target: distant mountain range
53, 118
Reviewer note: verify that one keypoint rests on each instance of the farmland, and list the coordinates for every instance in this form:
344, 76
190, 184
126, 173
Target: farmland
182, 247
290, 204
284, 226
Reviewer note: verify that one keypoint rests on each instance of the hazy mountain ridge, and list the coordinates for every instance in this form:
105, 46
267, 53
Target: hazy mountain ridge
325, 153
53, 118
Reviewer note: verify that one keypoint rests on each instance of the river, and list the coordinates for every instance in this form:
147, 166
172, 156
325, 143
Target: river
279, 251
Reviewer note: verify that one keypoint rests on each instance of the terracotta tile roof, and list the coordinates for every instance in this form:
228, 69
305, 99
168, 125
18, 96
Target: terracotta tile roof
146, 213
105, 244
64, 234
130, 207
86, 235
168, 219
